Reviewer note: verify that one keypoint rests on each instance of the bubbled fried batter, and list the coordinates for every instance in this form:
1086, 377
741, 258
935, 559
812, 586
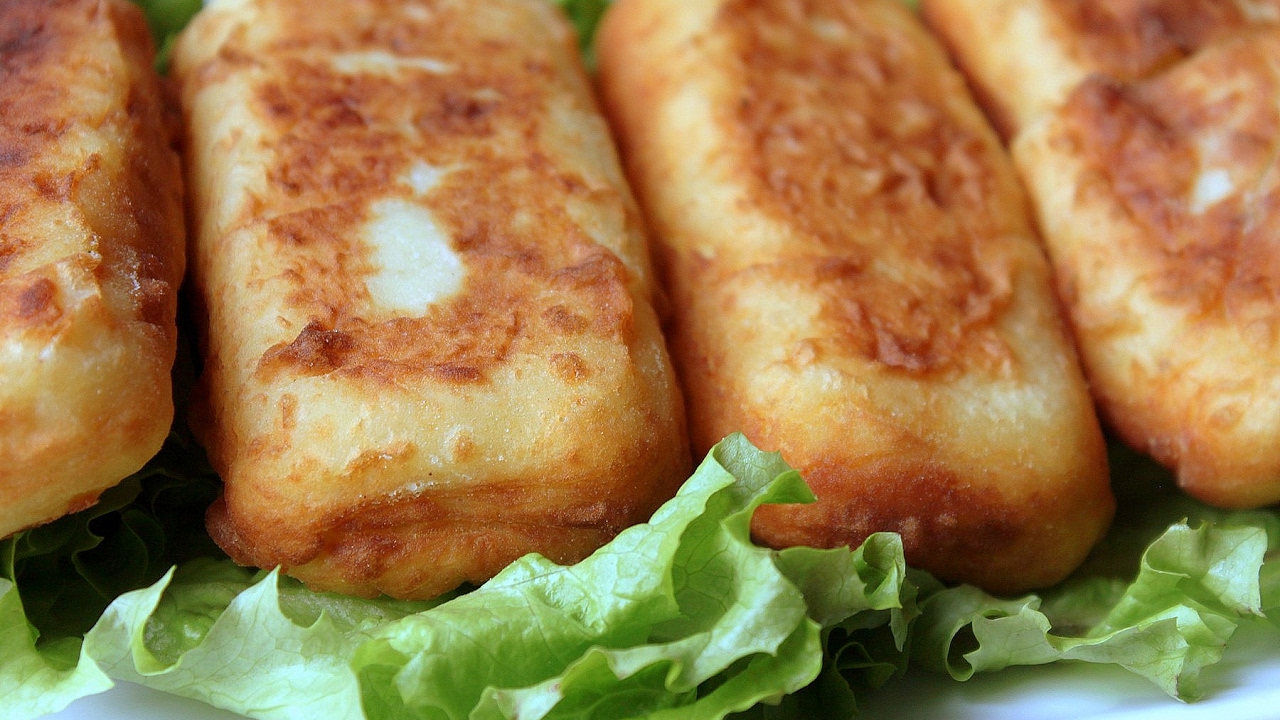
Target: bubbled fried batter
348, 139
1191, 158
1133, 39
893, 162
1023, 57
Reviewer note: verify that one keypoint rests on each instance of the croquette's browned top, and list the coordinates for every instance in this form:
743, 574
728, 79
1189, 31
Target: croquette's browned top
1132, 39
350, 112
1190, 157
58, 200
846, 131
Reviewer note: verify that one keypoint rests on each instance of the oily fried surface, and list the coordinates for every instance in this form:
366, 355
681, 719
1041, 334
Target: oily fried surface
856, 282
1161, 204
1023, 57
430, 341
90, 254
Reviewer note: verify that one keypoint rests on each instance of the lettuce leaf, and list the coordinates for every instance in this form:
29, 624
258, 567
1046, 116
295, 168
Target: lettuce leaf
241, 639
35, 682
1195, 584
57, 579
585, 16
681, 617
166, 19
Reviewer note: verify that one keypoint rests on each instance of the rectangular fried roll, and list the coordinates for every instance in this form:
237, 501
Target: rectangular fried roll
1160, 204
91, 254
429, 334
1023, 57
856, 282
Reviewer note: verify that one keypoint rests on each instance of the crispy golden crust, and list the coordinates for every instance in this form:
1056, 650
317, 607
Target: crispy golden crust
430, 342
1023, 57
856, 282
90, 254
1160, 202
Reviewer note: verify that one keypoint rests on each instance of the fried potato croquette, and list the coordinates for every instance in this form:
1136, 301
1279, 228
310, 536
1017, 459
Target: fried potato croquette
1160, 201
1023, 57
856, 282
429, 336
91, 254
1152, 169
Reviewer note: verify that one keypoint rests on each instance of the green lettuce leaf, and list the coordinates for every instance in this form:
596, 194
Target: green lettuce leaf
865, 602
57, 579
35, 682
1193, 587
69, 570
166, 19
681, 617
243, 640
585, 16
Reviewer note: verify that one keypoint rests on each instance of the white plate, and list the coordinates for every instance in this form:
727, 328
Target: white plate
1244, 686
